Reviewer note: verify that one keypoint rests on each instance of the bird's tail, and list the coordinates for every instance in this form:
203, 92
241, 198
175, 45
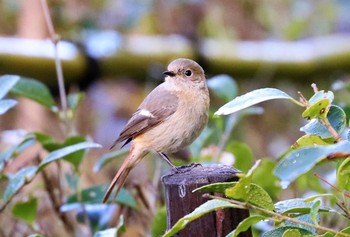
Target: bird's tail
118, 181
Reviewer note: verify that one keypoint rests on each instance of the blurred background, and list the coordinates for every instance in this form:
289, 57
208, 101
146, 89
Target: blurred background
116, 50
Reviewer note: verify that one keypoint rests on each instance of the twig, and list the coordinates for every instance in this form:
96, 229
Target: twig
245, 205
56, 204
331, 130
59, 72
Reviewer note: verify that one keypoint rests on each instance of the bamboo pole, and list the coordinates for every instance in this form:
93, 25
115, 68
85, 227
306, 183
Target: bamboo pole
134, 56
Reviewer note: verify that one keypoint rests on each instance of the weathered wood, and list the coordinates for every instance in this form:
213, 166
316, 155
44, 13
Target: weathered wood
180, 201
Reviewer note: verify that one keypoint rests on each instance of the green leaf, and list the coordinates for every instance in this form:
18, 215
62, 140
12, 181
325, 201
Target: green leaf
18, 181
199, 143
215, 187
346, 230
263, 177
291, 233
203, 209
6, 104
259, 197
159, 222
15, 151
321, 95
298, 207
252, 98
73, 100
336, 117
43, 139
26, 211
278, 232
343, 175
35, 235
315, 208
310, 140
242, 153
107, 157
63, 152
74, 158
36, 91
318, 110
96, 193
6, 83
223, 86
246, 224
112, 232
241, 189
304, 159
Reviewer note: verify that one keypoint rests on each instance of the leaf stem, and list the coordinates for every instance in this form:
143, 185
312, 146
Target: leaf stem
245, 205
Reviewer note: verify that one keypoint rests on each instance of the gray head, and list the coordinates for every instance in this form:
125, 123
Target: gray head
183, 69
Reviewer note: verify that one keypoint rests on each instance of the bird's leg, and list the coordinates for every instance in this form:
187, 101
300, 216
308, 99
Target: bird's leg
167, 160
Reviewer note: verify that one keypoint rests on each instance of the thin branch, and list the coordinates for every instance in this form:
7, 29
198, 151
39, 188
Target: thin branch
279, 216
59, 72
331, 130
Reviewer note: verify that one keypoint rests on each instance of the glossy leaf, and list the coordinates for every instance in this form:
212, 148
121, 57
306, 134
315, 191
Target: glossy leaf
246, 224
18, 181
278, 232
298, 207
263, 177
223, 86
112, 232
74, 158
203, 209
36, 91
9, 153
315, 208
6, 84
159, 224
310, 140
318, 110
321, 95
63, 152
336, 117
343, 175
6, 104
259, 197
26, 211
243, 155
252, 98
292, 233
96, 193
215, 187
304, 159
107, 157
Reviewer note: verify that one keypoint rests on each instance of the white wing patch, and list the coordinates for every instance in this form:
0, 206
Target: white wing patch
146, 113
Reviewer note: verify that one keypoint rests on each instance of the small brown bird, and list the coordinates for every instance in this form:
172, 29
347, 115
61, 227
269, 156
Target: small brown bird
169, 118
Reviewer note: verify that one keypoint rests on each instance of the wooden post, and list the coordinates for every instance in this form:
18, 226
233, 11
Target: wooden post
180, 201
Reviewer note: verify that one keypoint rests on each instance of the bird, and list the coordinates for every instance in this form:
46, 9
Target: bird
170, 118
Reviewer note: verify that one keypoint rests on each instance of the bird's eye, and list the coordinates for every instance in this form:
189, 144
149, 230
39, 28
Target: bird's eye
188, 73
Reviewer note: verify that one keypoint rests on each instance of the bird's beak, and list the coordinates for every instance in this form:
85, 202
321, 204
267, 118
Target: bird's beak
169, 73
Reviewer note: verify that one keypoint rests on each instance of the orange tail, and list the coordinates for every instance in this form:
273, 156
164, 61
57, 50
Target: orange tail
119, 179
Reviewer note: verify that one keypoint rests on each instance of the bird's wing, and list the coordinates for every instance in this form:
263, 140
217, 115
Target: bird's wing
156, 107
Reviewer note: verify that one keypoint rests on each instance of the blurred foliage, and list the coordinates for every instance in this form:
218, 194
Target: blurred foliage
78, 207
290, 20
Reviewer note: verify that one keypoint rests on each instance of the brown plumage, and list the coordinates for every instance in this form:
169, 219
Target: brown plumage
169, 118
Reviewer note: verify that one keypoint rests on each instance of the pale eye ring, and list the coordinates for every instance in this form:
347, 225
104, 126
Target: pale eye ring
188, 73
